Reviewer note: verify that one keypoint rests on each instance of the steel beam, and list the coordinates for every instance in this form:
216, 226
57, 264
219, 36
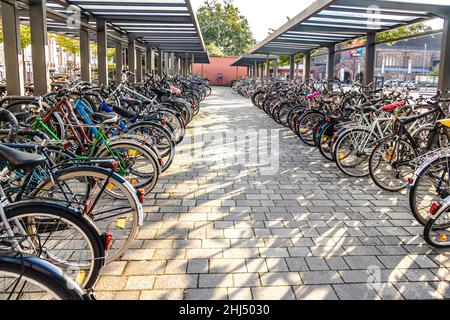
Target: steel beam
292, 67
102, 45
38, 28
13, 52
119, 62
173, 68
370, 58
330, 63
132, 58
444, 74
307, 65
139, 60
275, 69
85, 52
150, 62
160, 63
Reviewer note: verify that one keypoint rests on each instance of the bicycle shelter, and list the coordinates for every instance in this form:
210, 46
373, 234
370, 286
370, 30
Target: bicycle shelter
327, 23
167, 29
255, 64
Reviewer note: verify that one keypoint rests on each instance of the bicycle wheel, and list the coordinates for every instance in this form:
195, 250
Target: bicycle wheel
162, 140
432, 184
138, 164
352, 152
102, 196
389, 164
325, 141
59, 235
306, 124
437, 231
24, 277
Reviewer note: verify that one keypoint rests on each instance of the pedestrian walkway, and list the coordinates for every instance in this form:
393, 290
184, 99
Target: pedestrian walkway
220, 231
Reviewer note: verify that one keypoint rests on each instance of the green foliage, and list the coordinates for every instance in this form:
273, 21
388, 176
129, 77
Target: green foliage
70, 45
224, 27
435, 72
284, 61
214, 50
25, 35
401, 32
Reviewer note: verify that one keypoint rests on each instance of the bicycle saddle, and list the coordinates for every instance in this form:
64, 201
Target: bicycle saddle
131, 102
127, 114
19, 159
105, 118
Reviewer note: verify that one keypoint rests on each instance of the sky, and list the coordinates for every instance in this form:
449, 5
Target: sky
266, 14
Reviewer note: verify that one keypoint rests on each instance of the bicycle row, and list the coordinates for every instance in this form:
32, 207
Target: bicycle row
76, 166
399, 139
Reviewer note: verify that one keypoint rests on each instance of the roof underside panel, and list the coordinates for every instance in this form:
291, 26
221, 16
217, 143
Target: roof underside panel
252, 59
328, 22
169, 25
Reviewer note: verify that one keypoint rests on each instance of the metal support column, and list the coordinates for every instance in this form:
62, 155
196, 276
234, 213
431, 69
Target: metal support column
119, 62
38, 27
275, 69
307, 66
267, 67
13, 54
166, 62
85, 52
150, 61
102, 47
132, 58
186, 64
370, 58
173, 67
330, 63
292, 67
193, 63
444, 72
160, 63
139, 60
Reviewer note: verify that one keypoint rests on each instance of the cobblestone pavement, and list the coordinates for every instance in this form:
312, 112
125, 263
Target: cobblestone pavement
309, 232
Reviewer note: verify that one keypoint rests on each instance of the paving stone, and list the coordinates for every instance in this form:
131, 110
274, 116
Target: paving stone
355, 292
207, 294
242, 294
215, 281
176, 281
418, 291
281, 279
155, 295
109, 283
198, 266
320, 277
273, 293
319, 292
140, 283
316, 264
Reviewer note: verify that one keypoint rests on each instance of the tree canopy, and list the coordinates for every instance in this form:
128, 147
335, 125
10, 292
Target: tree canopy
225, 30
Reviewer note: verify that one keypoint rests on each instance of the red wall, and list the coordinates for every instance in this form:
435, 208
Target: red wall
221, 65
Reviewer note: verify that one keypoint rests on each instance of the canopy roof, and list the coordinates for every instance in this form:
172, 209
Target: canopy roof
252, 59
169, 25
327, 22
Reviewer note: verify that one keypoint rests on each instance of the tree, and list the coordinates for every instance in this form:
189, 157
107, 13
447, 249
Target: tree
25, 35
214, 50
70, 45
401, 32
224, 28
